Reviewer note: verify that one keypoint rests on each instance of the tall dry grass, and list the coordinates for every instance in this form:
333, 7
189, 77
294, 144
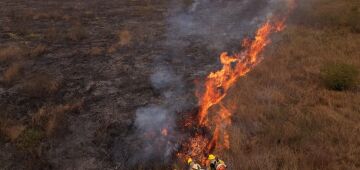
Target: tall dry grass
285, 117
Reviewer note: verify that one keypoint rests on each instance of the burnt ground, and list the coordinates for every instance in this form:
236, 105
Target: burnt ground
100, 54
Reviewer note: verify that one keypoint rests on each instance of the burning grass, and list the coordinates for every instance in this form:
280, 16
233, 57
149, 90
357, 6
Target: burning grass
196, 144
284, 117
215, 90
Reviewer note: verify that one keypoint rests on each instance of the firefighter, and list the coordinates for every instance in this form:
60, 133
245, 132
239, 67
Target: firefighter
216, 163
193, 165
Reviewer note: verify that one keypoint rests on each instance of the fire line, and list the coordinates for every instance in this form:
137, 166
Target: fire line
218, 83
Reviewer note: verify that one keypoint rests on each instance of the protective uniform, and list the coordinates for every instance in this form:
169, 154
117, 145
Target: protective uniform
216, 163
193, 165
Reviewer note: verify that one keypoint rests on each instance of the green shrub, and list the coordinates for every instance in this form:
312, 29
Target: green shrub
339, 76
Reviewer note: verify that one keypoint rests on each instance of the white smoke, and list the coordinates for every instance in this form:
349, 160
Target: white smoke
152, 119
218, 23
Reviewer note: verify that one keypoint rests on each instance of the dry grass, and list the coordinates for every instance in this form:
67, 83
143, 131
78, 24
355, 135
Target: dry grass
11, 52
52, 34
12, 73
41, 85
124, 37
16, 52
11, 129
38, 51
112, 49
50, 15
48, 121
76, 33
286, 118
52, 118
331, 14
96, 51
13, 132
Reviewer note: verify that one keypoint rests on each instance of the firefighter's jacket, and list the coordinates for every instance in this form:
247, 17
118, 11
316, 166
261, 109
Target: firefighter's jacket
194, 166
216, 164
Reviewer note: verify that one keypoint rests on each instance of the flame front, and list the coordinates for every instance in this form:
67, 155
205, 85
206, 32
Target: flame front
218, 83
216, 88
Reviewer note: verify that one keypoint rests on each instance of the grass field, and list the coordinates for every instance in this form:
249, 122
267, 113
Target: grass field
73, 73
286, 116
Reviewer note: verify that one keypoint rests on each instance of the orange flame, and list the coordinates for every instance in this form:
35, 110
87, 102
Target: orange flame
216, 88
218, 83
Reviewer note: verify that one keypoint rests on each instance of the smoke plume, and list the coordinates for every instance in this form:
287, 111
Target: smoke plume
217, 23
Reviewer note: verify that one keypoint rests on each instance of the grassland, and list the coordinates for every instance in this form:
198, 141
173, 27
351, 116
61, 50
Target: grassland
73, 73
286, 116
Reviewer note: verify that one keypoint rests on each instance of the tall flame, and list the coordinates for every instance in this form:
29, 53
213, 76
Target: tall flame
217, 85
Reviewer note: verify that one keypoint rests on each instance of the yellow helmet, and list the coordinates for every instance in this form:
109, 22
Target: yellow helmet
211, 157
189, 160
